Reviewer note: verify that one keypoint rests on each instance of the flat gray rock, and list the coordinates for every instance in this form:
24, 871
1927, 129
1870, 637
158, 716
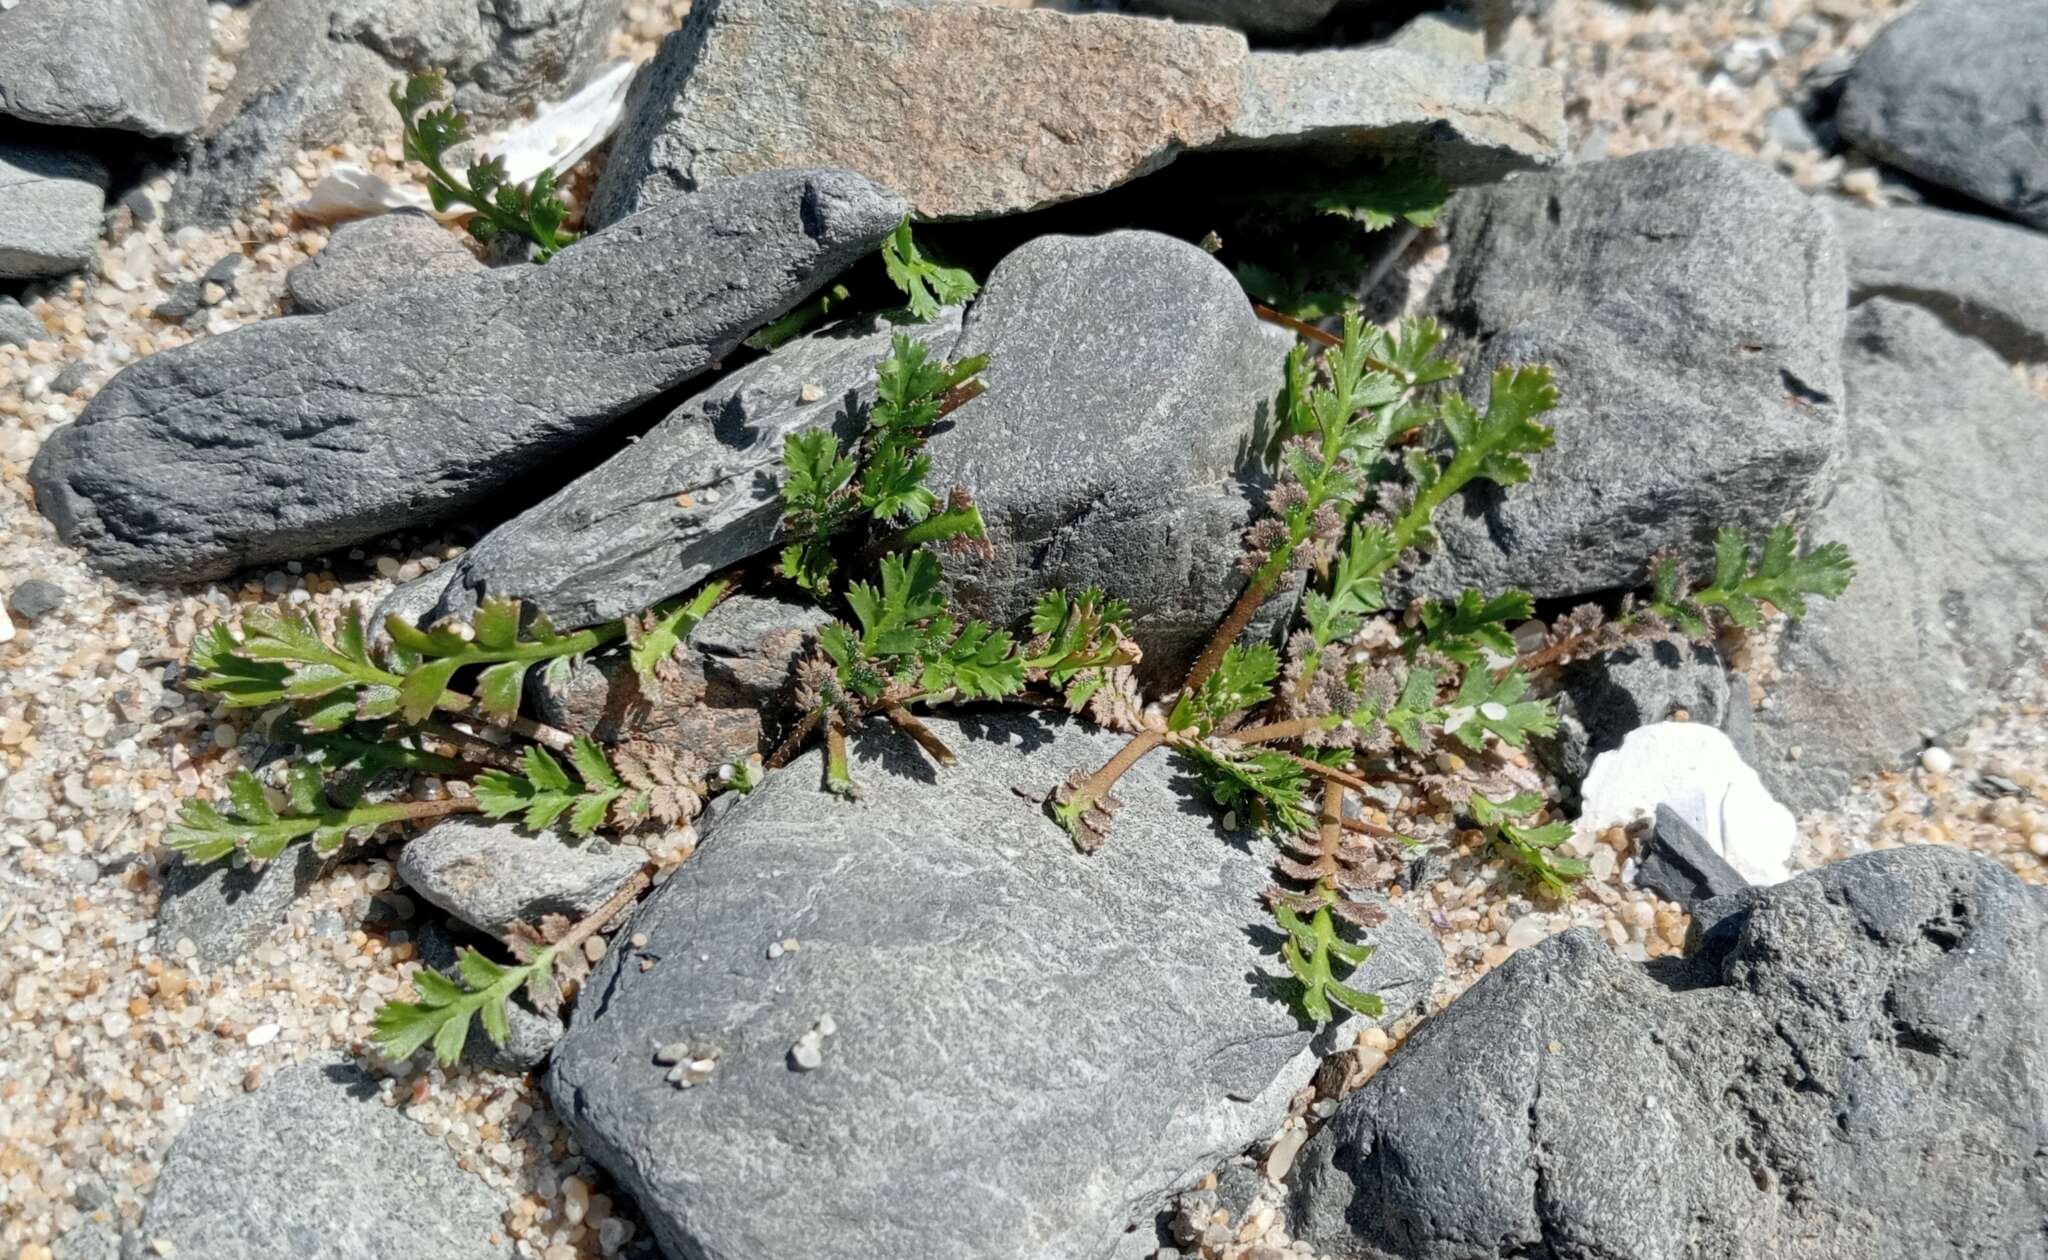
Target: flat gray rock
19, 325
1130, 387
125, 65
314, 1166
292, 436
1016, 109
375, 255
1691, 304
1954, 91
1941, 505
226, 910
316, 72
493, 873
1033, 1047
1851, 1064
50, 206
622, 538
1600, 701
1981, 277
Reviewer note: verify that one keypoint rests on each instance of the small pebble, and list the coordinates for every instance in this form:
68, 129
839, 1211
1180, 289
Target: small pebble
1937, 760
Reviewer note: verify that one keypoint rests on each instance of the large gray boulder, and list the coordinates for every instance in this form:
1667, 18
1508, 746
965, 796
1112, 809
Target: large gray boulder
50, 206
1691, 304
316, 72
1130, 388
1981, 277
291, 436
1032, 1047
1851, 1065
375, 255
315, 1166
1955, 91
698, 492
1941, 505
128, 65
971, 111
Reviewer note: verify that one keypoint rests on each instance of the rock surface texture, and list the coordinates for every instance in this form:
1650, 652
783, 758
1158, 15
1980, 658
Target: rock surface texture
1955, 91
50, 206
315, 1166
1042, 1044
127, 65
699, 491
1691, 304
1851, 1064
976, 110
1254, 17
373, 256
1129, 384
314, 72
494, 873
1941, 502
1979, 276
1601, 700
289, 436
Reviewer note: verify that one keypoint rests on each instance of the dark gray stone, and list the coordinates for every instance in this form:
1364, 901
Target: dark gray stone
184, 300
1017, 109
128, 65
18, 325
618, 539
35, 599
1940, 503
1034, 1048
293, 436
1851, 1065
1254, 17
372, 256
529, 1035
315, 72
1129, 388
73, 377
493, 873
1600, 701
141, 208
223, 272
1978, 275
1691, 304
723, 700
227, 910
1954, 91
1678, 865
50, 207
315, 1166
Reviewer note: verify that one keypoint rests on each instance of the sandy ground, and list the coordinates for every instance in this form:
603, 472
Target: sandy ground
112, 1039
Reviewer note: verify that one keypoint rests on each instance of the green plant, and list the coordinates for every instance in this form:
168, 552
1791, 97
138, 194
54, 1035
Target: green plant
1533, 848
1781, 577
1303, 255
928, 283
531, 210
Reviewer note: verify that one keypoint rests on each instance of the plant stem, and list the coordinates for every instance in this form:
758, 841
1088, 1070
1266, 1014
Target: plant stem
1274, 732
1241, 613
1330, 824
1330, 773
1307, 330
593, 923
1098, 785
793, 743
540, 733
838, 778
473, 749
1365, 828
907, 722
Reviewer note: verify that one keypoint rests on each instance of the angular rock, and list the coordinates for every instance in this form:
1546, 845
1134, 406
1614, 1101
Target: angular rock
315, 1165
1086, 103
1691, 303
1451, 36
726, 696
1851, 1066
315, 72
35, 599
50, 207
225, 910
1678, 864
290, 436
18, 325
1940, 503
1600, 701
1953, 92
1979, 276
492, 873
620, 539
1044, 1045
1254, 17
127, 65
371, 256
1694, 770
1129, 388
